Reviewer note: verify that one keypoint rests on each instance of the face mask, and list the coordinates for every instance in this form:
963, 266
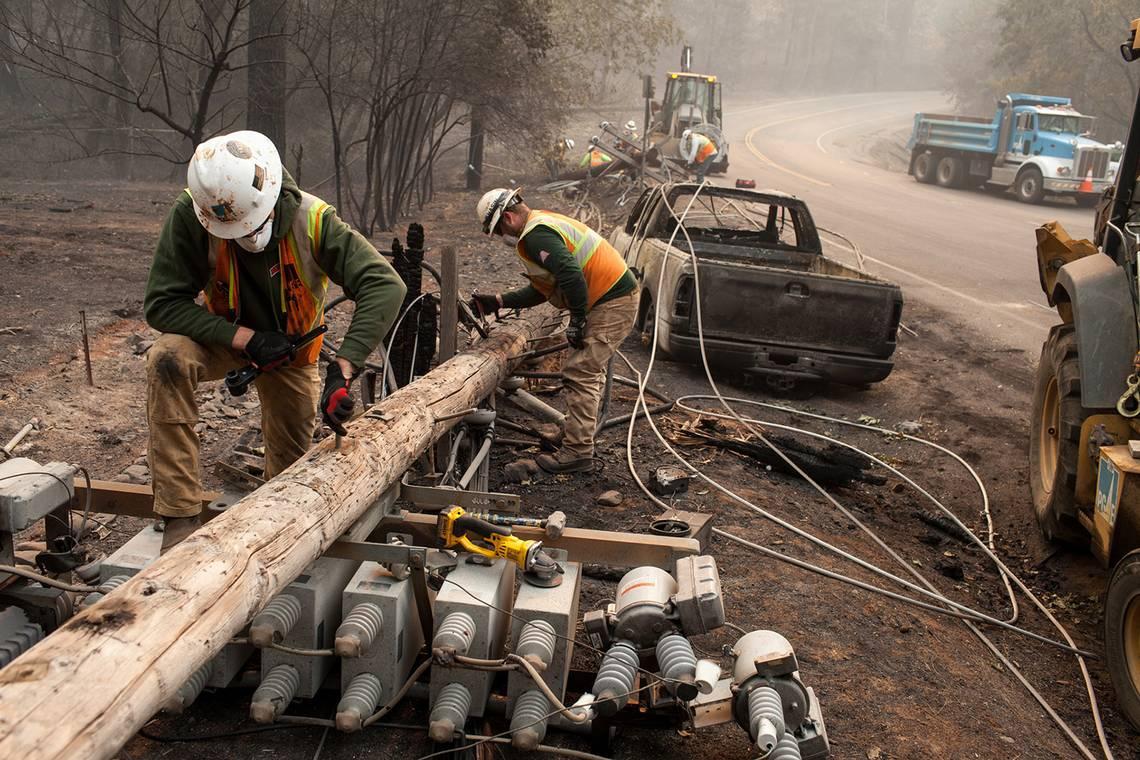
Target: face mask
257, 242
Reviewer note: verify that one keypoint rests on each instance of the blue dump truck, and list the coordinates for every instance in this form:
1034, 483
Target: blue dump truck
1036, 144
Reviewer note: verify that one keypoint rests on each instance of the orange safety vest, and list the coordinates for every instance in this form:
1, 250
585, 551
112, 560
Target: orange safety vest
707, 148
595, 158
303, 283
601, 264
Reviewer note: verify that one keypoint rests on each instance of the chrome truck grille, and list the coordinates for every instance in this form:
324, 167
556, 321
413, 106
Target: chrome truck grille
1094, 160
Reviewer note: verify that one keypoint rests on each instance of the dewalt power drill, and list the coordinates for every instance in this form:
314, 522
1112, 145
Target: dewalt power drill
454, 526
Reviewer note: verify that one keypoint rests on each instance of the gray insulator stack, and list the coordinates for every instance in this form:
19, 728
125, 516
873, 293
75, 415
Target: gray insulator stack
17, 634
766, 718
189, 691
528, 722
537, 642
359, 700
678, 665
455, 632
786, 749
615, 678
274, 694
273, 623
358, 630
105, 588
449, 713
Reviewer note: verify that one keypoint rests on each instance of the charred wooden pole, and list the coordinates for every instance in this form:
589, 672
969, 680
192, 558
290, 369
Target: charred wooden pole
87, 688
410, 354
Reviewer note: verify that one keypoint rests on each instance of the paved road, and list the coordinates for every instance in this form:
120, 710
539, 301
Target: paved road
970, 253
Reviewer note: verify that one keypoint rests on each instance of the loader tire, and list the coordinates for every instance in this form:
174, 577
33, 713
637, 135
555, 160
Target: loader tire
1122, 635
925, 168
1055, 437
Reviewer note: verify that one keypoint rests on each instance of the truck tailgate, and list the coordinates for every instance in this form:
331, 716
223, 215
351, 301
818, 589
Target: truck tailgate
801, 309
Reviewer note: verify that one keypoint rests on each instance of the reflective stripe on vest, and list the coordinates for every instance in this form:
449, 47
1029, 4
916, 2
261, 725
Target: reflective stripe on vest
303, 283
602, 266
707, 149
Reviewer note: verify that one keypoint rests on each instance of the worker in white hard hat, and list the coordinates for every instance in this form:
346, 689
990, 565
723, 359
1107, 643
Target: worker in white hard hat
262, 253
555, 156
699, 152
574, 268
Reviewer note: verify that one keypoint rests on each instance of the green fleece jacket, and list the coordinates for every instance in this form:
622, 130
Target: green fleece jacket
181, 269
567, 274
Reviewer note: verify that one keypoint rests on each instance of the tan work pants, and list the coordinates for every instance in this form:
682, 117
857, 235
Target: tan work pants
175, 366
584, 370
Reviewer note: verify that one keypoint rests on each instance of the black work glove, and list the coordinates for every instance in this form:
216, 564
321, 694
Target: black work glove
268, 350
576, 333
483, 304
336, 404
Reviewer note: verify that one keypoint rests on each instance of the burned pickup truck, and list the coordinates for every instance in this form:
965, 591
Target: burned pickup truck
771, 304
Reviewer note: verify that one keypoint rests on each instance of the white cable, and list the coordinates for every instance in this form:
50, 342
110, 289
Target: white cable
644, 379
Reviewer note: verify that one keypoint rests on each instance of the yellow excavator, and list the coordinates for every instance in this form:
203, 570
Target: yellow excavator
691, 102
1084, 444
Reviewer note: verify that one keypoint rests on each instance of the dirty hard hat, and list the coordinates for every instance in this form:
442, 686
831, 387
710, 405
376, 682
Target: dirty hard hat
234, 181
492, 205
631, 125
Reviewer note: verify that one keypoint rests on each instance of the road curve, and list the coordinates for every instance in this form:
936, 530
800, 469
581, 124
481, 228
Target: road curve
969, 253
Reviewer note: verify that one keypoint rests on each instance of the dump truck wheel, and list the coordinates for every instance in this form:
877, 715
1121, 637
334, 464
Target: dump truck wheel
1030, 186
1055, 437
1122, 635
925, 168
950, 171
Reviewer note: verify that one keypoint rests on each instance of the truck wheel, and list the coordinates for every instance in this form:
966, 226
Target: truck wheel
1054, 437
1030, 186
950, 171
1122, 635
924, 168
649, 316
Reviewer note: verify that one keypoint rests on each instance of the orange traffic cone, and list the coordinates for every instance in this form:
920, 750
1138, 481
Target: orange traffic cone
1086, 186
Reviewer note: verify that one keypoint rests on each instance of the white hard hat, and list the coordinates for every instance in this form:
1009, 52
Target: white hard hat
491, 206
631, 125
686, 134
569, 143
234, 181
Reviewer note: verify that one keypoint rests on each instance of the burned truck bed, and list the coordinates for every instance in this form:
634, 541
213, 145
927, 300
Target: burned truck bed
771, 303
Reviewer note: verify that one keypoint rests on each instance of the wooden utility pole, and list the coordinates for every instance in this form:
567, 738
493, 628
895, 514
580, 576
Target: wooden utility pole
475, 152
87, 688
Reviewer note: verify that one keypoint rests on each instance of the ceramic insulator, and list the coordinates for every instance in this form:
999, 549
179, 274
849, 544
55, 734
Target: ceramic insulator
358, 630
786, 749
274, 694
359, 700
273, 623
449, 713
189, 691
455, 632
615, 678
766, 718
528, 722
537, 641
678, 665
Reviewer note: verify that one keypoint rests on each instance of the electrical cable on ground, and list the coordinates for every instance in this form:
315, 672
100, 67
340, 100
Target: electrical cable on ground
644, 378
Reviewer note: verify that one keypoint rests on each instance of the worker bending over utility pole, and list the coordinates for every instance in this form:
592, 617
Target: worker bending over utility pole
574, 268
262, 252
699, 152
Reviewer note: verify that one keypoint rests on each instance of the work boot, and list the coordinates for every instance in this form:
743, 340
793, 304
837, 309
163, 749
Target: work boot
564, 461
178, 529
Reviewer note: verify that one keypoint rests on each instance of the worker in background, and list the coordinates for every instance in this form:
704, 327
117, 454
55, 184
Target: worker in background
574, 268
595, 161
262, 252
699, 152
629, 132
555, 156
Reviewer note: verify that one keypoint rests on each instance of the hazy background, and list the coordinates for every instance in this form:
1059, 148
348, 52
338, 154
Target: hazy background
369, 98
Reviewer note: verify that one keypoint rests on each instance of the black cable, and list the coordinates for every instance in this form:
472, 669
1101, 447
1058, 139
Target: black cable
223, 734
